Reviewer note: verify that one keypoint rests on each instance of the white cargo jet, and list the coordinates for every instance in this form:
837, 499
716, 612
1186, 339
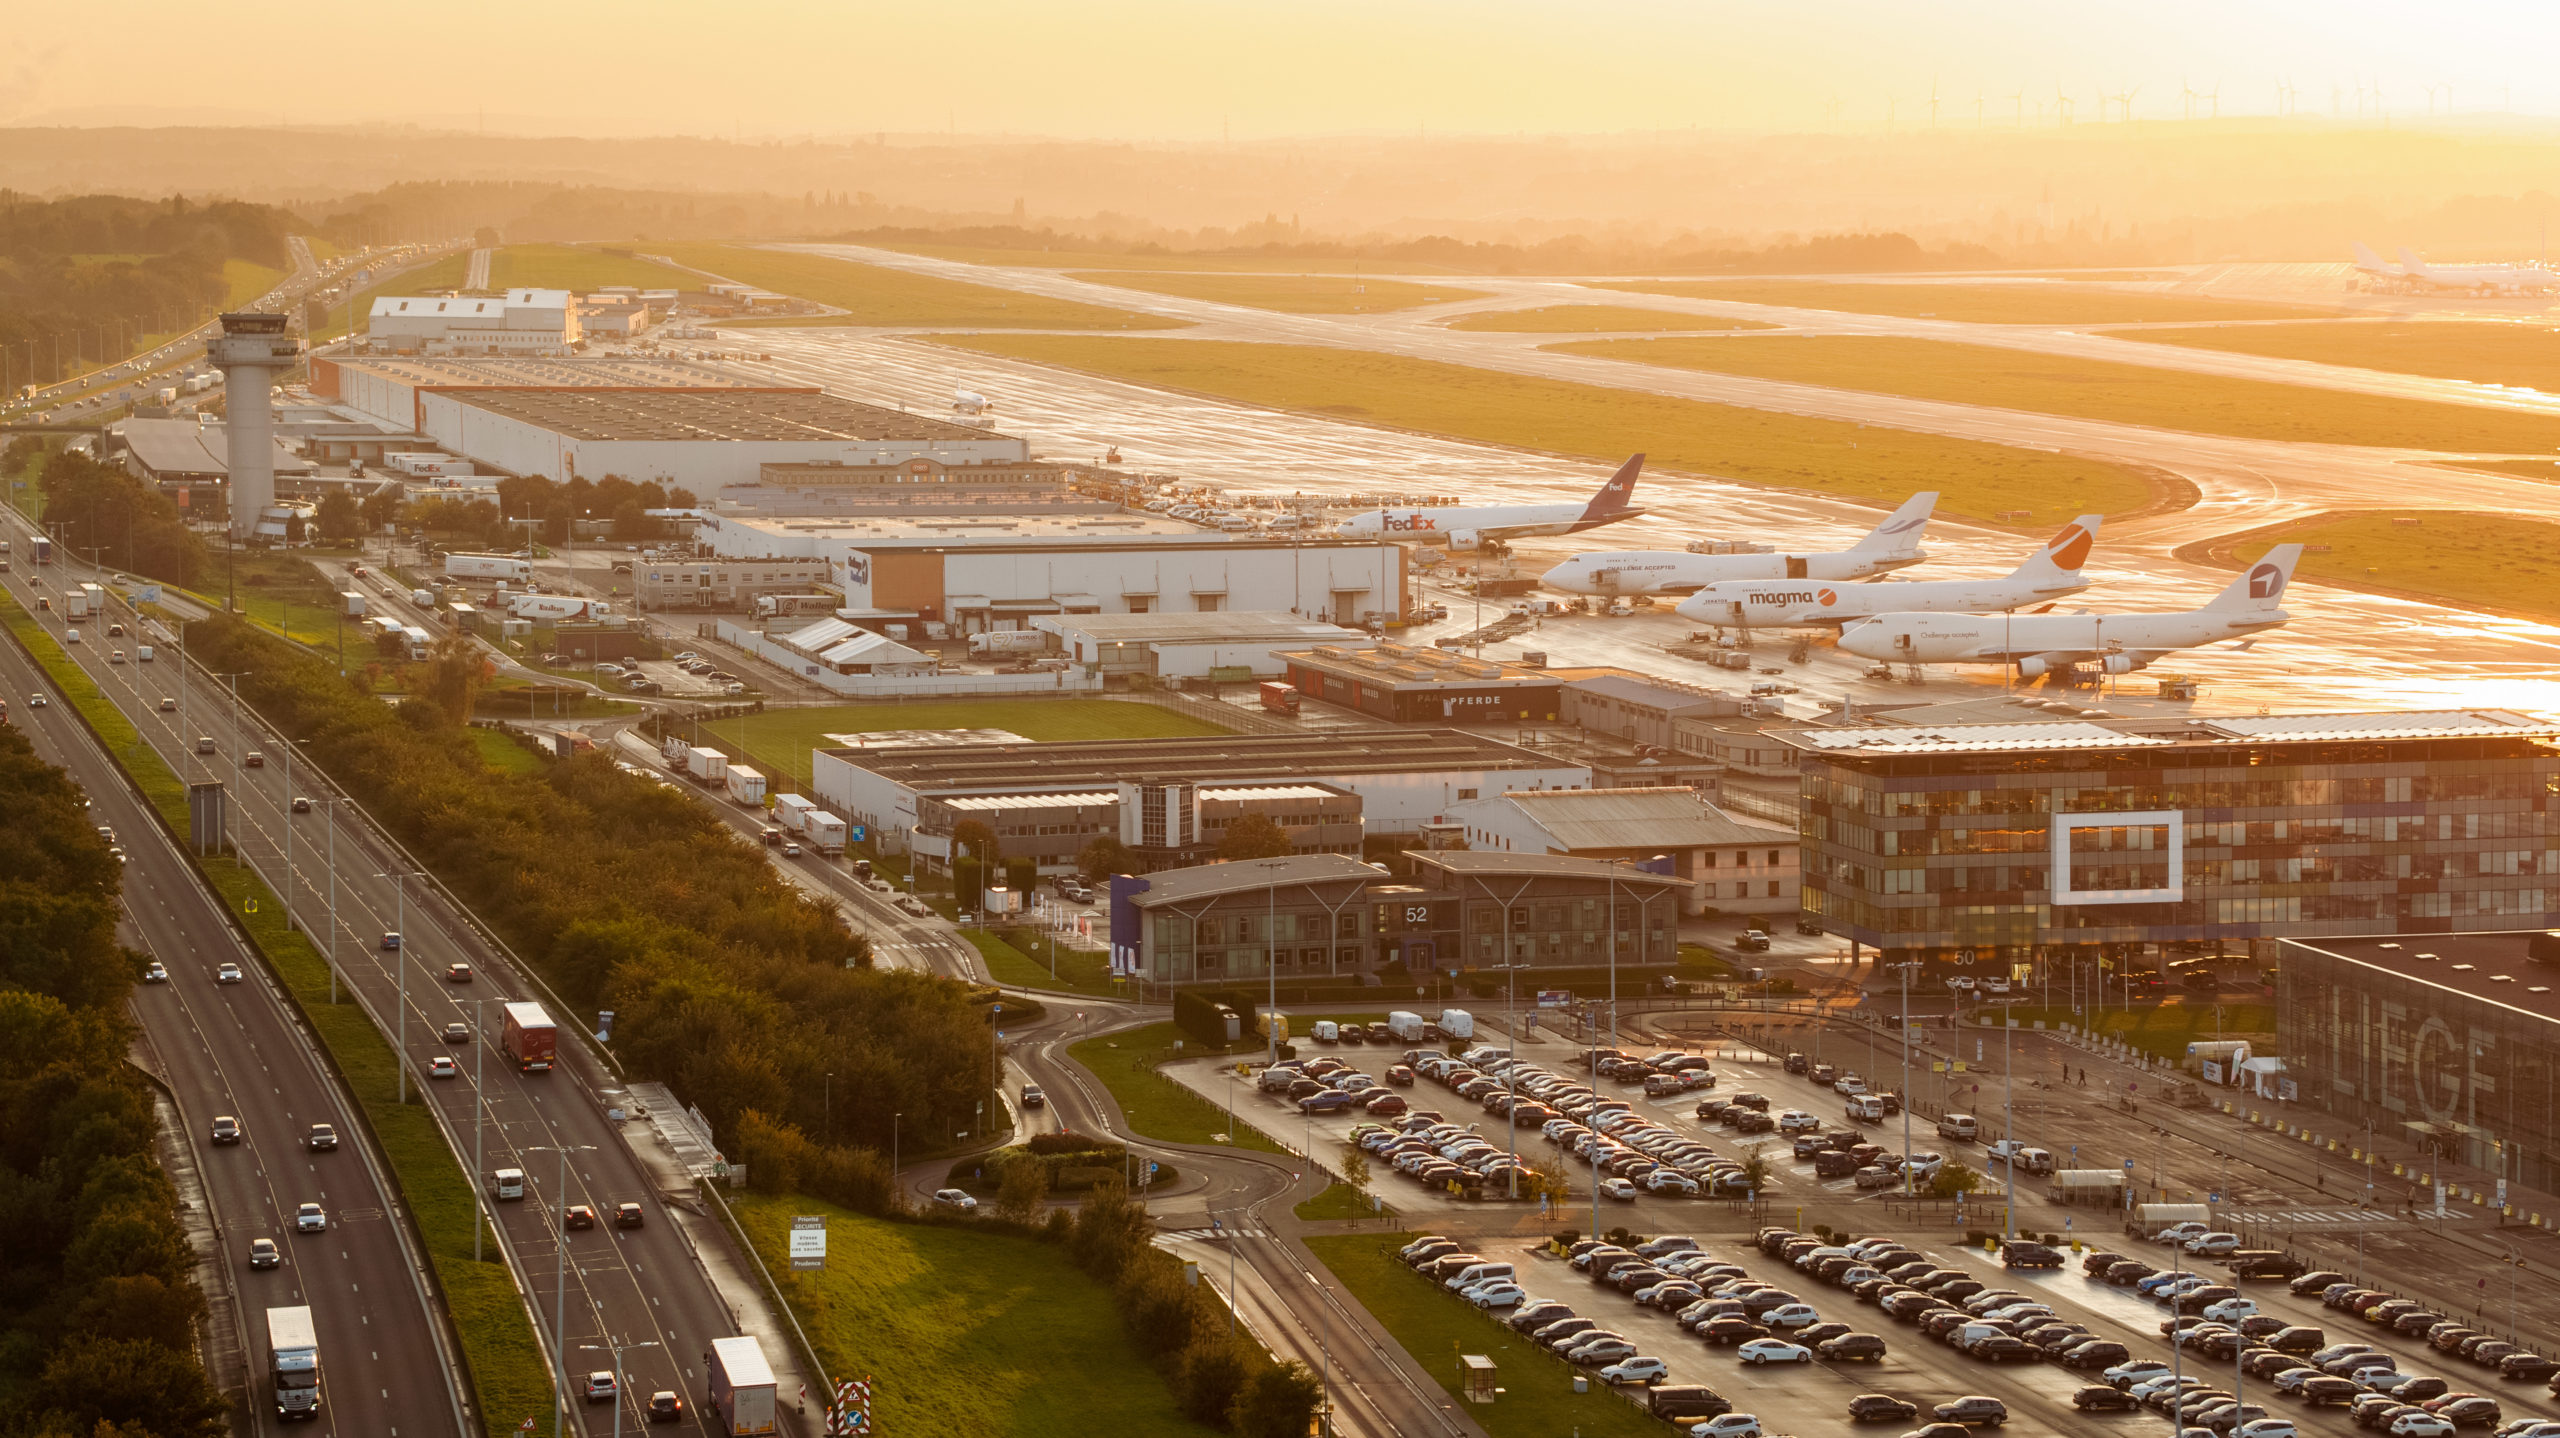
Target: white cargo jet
2417, 274
2046, 643
2047, 575
1890, 545
1472, 526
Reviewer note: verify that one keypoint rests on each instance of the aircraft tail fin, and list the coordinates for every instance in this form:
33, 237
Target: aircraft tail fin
1615, 496
2368, 261
2410, 263
2261, 588
2062, 556
1901, 531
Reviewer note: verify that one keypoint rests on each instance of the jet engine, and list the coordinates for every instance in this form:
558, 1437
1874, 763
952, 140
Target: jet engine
1465, 539
2036, 666
2123, 663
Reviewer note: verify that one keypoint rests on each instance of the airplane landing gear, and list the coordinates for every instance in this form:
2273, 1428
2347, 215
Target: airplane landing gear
1912, 675
1802, 651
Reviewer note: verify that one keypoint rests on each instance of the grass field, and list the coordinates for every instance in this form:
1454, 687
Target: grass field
2008, 304
1291, 294
1155, 1106
779, 740
1849, 461
2498, 563
965, 1333
1594, 319
1341, 1201
502, 753
509, 1375
1020, 958
2094, 389
243, 282
1538, 1400
2521, 356
870, 295
582, 268
1157, 260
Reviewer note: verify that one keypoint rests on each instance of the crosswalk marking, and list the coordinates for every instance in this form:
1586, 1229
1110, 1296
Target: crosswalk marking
1211, 1235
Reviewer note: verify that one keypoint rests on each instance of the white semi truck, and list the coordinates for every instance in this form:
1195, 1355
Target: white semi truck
824, 831
791, 812
293, 1362
488, 566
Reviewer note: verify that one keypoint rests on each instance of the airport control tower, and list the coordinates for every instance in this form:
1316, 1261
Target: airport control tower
252, 350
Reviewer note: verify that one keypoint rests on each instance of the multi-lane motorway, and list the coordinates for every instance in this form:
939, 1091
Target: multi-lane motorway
237, 1050
642, 1289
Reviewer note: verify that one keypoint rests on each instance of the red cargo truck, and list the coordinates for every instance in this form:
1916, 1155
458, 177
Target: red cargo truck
531, 1039
1279, 698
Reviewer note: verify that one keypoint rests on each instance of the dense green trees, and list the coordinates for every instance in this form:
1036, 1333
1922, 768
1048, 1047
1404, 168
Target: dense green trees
726, 982
97, 1295
1253, 836
87, 278
130, 524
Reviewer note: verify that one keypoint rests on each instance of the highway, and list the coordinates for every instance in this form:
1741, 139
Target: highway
239, 1050
630, 1287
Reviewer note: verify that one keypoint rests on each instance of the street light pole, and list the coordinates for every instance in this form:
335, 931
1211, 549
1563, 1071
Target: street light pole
617, 1349
560, 1290
479, 1068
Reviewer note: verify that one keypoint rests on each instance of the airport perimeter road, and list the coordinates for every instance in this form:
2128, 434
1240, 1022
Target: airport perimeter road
237, 1050
630, 1287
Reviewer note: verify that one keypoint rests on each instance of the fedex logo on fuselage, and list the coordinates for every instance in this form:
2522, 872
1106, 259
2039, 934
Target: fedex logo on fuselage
1406, 521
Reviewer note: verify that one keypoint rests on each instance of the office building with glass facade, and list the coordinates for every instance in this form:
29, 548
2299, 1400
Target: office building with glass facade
2114, 835
2450, 1042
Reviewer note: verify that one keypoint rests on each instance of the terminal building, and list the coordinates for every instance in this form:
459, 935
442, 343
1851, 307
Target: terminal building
1403, 778
1329, 917
519, 322
2448, 1042
2125, 835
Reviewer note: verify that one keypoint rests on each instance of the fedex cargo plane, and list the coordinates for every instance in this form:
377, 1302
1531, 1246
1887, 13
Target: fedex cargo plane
2047, 575
1472, 526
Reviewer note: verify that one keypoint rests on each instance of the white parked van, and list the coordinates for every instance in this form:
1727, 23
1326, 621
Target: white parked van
1475, 1273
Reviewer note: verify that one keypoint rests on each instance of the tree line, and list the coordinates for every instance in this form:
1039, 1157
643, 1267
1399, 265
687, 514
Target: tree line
98, 1300
727, 983
550, 505
87, 278
101, 507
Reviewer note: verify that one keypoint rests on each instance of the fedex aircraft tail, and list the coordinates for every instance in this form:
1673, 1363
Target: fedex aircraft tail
1900, 533
1614, 497
2262, 588
2410, 263
2060, 560
2369, 262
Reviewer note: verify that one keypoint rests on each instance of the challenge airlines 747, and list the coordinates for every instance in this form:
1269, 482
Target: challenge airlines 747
2048, 575
1472, 526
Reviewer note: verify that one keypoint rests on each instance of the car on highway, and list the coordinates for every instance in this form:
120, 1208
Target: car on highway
254, 759
263, 1253
390, 943
457, 1033
155, 972
600, 1387
628, 1215
322, 1138
310, 1218
1032, 1097
1773, 1350
957, 1200
1636, 1370
443, 1067
457, 973
665, 1407
227, 974
578, 1215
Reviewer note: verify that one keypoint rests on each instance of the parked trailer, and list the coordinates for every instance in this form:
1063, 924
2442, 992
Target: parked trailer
705, 766
530, 1039
746, 786
791, 812
826, 831
488, 566
293, 1362
742, 1387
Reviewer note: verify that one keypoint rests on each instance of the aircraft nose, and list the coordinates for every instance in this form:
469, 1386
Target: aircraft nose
1567, 576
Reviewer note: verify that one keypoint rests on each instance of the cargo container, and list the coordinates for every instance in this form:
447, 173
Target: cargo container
488, 566
1278, 697
293, 1362
742, 1387
705, 766
825, 831
791, 812
43, 549
530, 1039
746, 786
80, 601
351, 604
418, 640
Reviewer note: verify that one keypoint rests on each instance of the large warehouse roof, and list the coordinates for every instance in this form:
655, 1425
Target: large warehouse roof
528, 372
608, 415
2494, 967
184, 449
1201, 759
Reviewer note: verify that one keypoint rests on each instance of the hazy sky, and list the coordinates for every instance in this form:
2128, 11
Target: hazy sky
1188, 69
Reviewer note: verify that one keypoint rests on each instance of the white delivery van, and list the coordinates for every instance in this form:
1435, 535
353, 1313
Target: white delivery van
507, 1184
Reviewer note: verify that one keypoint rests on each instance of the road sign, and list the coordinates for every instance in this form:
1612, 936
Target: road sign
2213, 1197
2128, 1165
808, 1241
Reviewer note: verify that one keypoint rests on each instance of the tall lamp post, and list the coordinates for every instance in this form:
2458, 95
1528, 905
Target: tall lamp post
400, 885
560, 1289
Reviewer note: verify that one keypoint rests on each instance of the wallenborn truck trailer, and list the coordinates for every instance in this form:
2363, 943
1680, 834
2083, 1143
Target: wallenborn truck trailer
742, 1388
293, 1362
746, 786
791, 812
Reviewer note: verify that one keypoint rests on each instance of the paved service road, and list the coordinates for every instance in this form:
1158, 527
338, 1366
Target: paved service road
238, 1050
629, 1287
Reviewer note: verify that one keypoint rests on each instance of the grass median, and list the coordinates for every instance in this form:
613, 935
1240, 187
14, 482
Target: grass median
779, 740
510, 1378
874, 295
1594, 319
2029, 303
963, 1330
1956, 373
2495, 563
1021, 958
1155, 1106
1290, 294
1435, 1327
1846, 460
2522, 356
